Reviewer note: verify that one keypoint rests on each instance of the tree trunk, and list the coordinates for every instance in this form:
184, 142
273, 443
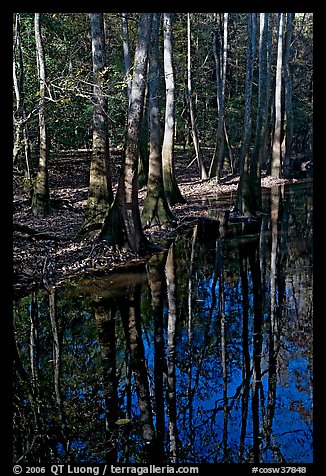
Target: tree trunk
288, 122
247, 122
171, 188
194, 132
20, 116
122, 226
100, 194
41, 193
220, 55
277, 153
261, 124
126, 53
156, 210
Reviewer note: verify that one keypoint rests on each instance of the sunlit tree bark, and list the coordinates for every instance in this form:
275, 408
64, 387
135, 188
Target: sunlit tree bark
100, 194
122, 226
288, 107
276, 166
41, 192
156, 210
171, 188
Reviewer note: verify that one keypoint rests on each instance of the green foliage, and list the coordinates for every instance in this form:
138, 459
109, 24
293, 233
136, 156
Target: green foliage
67, 47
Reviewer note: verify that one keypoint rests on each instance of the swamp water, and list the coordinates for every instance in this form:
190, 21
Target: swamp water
203, 355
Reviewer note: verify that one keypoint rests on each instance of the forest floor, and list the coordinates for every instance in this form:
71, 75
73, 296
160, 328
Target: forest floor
46, 250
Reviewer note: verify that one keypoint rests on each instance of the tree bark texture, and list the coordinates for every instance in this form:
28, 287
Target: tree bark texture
277, 152
220, 55
171, 188
100, 194
122, 226
242, 192
288, 120
156, 210
41, 193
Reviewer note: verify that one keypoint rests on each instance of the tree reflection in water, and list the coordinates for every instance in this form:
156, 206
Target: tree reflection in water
204, 356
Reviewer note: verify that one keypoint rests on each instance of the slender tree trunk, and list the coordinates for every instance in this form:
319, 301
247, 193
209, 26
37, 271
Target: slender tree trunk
20, 115
171, 188
220, 55
122, 226
288, 122
243, 189
194, 132
41, 193
276, 167
100, 194
256, 159
156, 210
126, 53
266, 146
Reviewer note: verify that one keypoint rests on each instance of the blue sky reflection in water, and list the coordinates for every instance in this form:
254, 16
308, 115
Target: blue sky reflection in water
220, 370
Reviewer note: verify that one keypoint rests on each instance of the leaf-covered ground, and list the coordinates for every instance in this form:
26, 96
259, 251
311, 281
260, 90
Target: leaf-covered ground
46, 249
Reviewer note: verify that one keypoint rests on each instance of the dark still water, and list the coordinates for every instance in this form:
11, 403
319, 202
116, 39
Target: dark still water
202, 355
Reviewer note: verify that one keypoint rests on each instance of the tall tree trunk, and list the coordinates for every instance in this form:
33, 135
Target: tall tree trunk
171, 188
122, 226
243, 189
288, 122
194, 132
100, 194
126, 53
20, 115
256, 159
276, 166
41, 193
156, 210
220, 55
